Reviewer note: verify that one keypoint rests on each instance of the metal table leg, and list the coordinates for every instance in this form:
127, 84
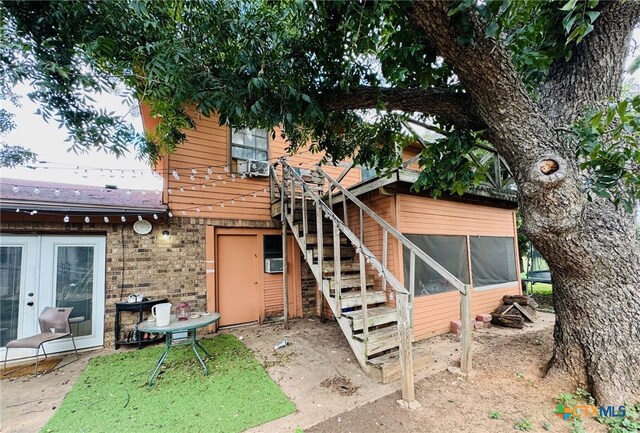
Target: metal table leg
194, 343
162, 358
202, 348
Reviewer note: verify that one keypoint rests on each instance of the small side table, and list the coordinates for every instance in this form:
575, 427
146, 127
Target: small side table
179, 326
138, 307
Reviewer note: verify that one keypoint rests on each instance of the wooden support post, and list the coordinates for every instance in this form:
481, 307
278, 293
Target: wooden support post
406, 357
363, 296
305, 223
465, 335
412, 284
320, 235
337, 269
285, 285
384, 259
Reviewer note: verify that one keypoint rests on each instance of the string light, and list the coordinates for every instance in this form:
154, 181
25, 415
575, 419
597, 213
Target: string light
170, 191
18, 210
15, 188
184, 212
123, 219
106, 219
56, 192
209, 171
194, 171
139, 218
181, 189
233, 202
33, 212
209, 207
176, 175
155, 216
144, 193
192, 177
197, 209
226, 169
219, 177
86, 219
77, 192
170, 214
221, 204
36, 190
129, 192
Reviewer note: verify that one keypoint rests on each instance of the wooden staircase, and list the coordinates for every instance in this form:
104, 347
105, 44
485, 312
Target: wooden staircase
366, 315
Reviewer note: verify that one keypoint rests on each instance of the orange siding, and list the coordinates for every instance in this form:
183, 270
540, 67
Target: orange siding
209, 145
422, 215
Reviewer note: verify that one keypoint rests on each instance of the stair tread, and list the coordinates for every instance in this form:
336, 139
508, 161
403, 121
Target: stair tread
371, 312
394, 357
356, 294
379, 334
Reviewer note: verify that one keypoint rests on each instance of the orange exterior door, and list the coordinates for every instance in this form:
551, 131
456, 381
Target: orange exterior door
238, 300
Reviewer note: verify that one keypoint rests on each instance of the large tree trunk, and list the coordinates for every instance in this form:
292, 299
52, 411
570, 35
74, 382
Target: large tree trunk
591, 248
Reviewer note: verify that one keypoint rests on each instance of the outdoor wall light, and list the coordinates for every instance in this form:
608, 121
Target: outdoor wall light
166, 234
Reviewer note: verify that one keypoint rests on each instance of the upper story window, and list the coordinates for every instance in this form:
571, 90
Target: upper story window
249, 144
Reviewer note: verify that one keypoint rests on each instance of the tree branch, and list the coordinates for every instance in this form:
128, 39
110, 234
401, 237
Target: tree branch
456, 107
594, 72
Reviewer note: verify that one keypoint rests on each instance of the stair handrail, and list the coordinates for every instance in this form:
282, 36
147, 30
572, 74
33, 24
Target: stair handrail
454, 281
391, 279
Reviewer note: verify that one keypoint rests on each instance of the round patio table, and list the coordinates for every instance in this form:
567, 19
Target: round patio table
178, 326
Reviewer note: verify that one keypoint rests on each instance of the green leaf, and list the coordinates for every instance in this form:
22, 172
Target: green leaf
570, 5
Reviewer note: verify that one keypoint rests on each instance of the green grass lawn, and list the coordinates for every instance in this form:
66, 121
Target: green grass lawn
112, 394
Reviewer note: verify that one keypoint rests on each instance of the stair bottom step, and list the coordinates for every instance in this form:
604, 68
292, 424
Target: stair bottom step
389, 364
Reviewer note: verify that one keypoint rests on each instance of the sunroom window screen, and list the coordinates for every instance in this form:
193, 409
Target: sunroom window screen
493, 260
449, 251
249, 144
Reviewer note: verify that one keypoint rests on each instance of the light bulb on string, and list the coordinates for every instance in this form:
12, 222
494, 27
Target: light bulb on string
56, 192
254, 194
36, 190
184, 212
209, 207
111, 173
155, 216
66, 218
15, 188
157, 192
226, 169
192, 177
77, 192
170, 214
243, 198
197, 209
213, 184
204, 186
106, 219
86, 219
139, 217
128, 192
193, 187
85, 174
123, 219
18, 210
233, 202
181, 189
33, 212
144, 192
175, 175
194, 171
221, 204
77, 170
206, 177
209, 171
224, 182
219, 177
170, 191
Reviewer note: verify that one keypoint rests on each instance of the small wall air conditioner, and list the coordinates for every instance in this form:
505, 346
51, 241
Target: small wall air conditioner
273, 266
254, 168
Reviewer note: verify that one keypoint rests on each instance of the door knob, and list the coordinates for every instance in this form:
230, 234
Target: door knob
30, 303
30, 294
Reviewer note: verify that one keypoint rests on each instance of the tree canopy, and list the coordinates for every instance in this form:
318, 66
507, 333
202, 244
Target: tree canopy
311, 68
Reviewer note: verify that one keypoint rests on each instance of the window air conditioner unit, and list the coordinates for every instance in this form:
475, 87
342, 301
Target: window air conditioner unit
254, 168
273, 266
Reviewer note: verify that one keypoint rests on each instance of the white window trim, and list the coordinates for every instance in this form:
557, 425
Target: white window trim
506, 285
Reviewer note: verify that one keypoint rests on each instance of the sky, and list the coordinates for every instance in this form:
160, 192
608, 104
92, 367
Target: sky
47, 140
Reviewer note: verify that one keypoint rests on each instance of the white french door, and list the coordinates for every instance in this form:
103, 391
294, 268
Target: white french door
60, 271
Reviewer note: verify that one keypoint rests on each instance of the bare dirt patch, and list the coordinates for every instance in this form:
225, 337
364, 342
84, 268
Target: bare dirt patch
509, 385
340, 384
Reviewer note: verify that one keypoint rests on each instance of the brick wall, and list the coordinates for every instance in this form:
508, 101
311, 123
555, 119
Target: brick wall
153, 266
309, 289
